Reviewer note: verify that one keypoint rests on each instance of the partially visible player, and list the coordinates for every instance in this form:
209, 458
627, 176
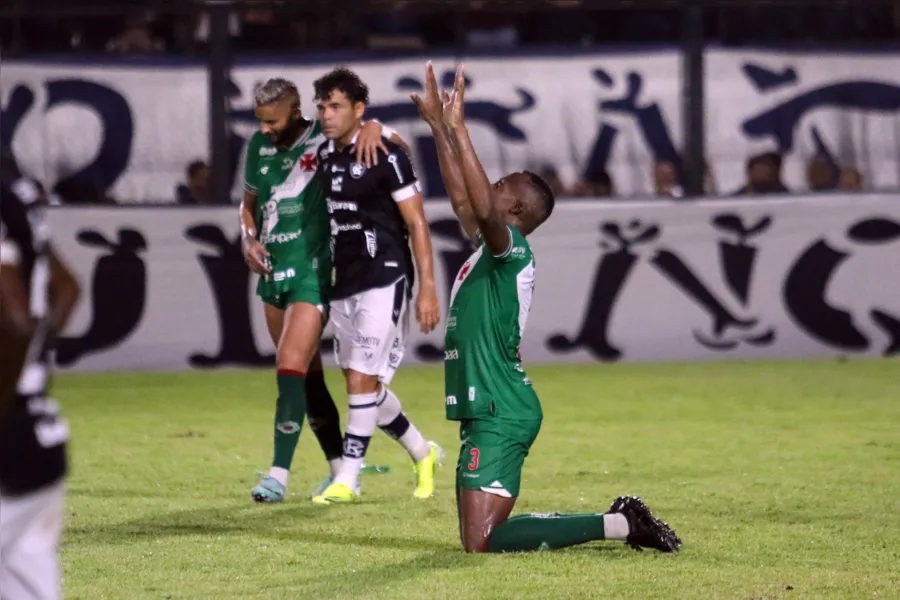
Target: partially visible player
486, 388
285, 239
37, 295
375, 214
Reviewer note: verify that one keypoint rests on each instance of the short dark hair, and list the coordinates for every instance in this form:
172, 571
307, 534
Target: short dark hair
195, 167
544, 193
342, 79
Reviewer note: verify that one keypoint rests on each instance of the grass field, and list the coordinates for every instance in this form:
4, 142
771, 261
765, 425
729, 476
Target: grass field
781, 478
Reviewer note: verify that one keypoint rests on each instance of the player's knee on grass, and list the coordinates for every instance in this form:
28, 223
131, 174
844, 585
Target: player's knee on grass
480, 513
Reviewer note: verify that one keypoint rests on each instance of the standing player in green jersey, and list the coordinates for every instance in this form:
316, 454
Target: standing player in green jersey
285, 239
486, 388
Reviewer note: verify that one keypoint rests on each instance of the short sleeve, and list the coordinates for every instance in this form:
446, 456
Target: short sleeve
401, 177
251, 164
518, 249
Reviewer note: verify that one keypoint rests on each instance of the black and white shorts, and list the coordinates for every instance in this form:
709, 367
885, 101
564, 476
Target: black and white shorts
370, 330
30, 528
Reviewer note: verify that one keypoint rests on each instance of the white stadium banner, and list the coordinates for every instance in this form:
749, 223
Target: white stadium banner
166, 289
133, 127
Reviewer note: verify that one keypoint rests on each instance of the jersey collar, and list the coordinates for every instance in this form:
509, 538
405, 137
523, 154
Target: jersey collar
331, 146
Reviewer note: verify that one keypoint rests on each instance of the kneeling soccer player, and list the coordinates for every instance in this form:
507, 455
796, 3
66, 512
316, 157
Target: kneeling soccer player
486, 388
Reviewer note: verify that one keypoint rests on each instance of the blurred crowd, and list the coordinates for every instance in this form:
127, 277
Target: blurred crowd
390, 24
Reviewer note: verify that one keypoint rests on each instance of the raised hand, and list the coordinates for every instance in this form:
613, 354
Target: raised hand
430, 107
454, 115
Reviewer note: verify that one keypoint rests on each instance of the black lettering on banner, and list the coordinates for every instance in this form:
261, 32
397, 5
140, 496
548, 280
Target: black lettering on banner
118, 295
806, 289
117, 121
452, 261
229, 280
609, 280
737, 259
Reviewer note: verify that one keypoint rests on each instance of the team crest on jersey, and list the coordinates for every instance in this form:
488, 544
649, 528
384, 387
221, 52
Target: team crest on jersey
357, 170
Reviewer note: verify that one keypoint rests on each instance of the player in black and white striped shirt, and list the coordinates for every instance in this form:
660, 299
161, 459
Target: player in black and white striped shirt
37, 295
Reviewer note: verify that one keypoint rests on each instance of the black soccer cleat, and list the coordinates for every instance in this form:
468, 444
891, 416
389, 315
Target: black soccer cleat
646, 531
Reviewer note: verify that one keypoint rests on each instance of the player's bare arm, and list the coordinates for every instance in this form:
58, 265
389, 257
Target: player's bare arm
254, 251
427, 308
64, 293
480, 191
431, 108
371, 140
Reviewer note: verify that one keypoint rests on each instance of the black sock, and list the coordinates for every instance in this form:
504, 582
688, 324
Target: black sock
324, 419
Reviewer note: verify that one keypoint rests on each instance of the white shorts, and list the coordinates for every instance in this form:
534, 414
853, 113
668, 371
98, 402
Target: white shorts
370, 330
30, 528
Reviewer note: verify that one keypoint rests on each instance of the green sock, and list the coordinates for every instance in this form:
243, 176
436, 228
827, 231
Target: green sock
289, 413
545, 532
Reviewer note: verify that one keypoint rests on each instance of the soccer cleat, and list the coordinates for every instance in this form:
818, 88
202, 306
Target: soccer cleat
337, 493
323, 485
269, 490
425, 471
646, 531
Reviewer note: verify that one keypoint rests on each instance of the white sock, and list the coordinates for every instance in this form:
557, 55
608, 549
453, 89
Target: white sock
393, 422
280, 474
361, 425
615, 526
333, 465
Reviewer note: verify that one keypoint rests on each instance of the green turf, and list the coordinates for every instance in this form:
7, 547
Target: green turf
781, 478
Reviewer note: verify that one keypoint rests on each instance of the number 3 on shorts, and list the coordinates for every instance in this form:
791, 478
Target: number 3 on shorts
473, 464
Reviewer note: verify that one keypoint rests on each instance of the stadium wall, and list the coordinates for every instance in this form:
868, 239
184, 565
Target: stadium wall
792, 277
133, 126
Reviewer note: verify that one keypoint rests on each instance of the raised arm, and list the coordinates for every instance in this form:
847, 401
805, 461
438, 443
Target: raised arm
432, 111
490, 222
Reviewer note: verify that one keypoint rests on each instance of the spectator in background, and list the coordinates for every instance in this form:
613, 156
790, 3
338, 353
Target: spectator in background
850, 180
489, 29
820, 174
594, 185
665, 180
137, 36
198, 188
763, 175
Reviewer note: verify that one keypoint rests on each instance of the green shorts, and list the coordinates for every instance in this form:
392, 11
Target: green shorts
300, 288
493, 453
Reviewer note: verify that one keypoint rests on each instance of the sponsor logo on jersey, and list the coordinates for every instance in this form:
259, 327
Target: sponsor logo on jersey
357, 170
349, 206
471, 394
451, 401
518, 251
335, 228
337, 184
337, 169
264, 170
280, 238
287, 164
289, 208
451, 354
268, 151
371, 243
